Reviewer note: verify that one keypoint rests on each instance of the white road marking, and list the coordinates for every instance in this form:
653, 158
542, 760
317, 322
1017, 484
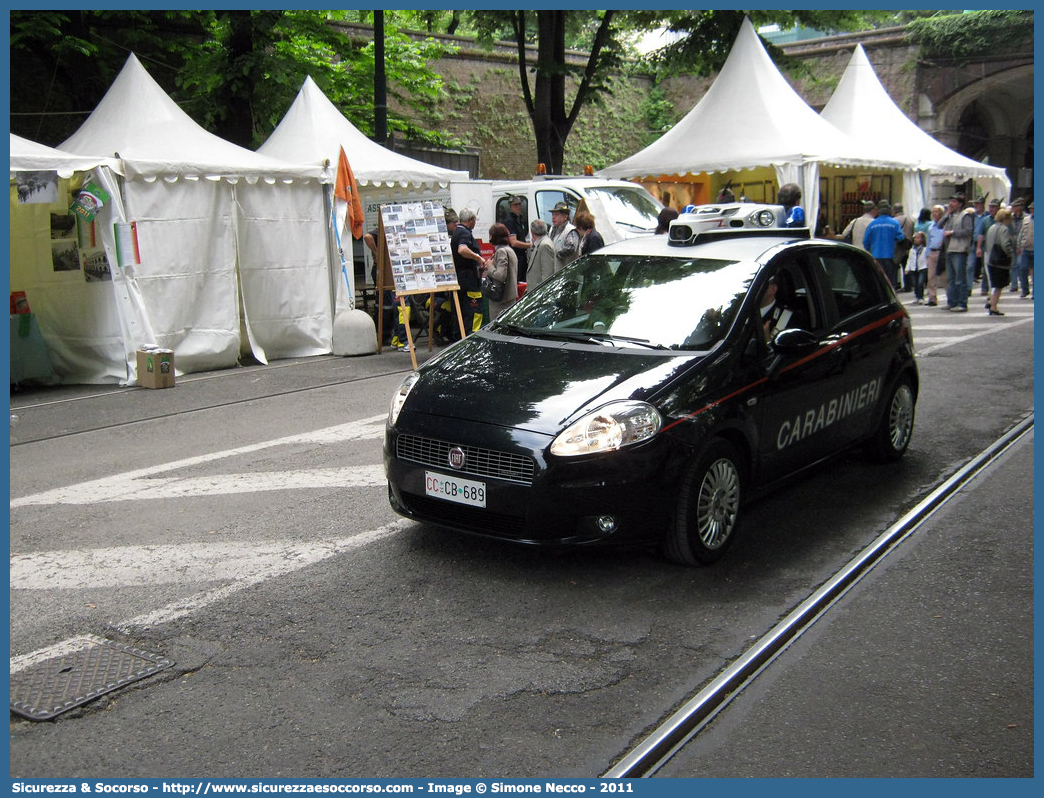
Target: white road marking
276, 560
132, 566
119, 488
131, 484
238, 565
927, 350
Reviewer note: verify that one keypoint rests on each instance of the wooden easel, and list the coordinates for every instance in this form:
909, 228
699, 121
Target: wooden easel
385, 278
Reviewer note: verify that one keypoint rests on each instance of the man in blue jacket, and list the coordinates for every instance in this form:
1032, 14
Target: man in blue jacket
880, 238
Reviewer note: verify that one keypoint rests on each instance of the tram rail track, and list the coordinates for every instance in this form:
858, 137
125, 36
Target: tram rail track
168, 413
686, 723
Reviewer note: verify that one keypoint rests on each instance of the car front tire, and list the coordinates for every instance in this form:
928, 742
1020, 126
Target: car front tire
708, 508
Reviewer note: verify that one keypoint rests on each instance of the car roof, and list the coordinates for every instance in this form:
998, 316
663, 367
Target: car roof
728, 245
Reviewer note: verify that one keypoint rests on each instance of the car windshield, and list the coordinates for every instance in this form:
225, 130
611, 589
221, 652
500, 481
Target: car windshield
651, 301
633, 207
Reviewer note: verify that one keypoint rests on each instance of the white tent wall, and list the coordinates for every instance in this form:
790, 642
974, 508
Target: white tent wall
79, 320
212, 219
90, 329
187, 274
284, 266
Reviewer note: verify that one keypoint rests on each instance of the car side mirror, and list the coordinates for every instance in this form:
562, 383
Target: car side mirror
794, 341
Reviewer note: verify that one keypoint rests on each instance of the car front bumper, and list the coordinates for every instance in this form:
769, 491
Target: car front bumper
618, 498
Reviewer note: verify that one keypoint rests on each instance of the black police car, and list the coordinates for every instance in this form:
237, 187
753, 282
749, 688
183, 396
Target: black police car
646, 391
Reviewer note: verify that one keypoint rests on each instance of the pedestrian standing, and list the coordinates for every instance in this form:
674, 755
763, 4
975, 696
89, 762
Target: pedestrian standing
936, 264
880, 240
854, 230
917, 266
903, 247
502, 267
980, 240
591, 239
1017, 218
564, 235
518, 233
542, 256
664, 219
975, 263
790, 198
1000, 254
393, 323
467, 260
1024, 257
957, 233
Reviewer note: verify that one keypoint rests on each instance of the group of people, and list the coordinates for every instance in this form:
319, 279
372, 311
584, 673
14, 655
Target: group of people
948, 248
517, 257
951, 248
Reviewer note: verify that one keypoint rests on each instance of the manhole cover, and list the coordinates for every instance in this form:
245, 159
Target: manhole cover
56, 685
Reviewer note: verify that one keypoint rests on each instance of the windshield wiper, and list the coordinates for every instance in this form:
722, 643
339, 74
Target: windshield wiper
593, 335
514, 329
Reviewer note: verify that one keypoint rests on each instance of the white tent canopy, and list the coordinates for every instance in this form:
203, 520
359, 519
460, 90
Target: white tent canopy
313, 130
220, 228
139, 123
29, 156
750, 118
861, 108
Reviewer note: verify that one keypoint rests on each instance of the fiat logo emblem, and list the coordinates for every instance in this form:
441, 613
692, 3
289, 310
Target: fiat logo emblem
456, 458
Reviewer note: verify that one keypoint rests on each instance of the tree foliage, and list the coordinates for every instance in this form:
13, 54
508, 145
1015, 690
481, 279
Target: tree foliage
559, 87
234, 72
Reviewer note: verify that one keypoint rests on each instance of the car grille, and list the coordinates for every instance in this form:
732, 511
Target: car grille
477, 462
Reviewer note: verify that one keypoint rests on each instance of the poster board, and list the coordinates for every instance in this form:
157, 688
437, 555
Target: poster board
414, 255
418, 247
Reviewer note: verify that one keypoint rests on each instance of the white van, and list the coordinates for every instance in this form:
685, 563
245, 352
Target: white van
621, 209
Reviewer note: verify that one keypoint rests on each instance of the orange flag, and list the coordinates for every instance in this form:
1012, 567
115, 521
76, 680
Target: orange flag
348, 190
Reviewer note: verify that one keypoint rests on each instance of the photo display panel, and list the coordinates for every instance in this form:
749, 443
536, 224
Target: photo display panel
418, 247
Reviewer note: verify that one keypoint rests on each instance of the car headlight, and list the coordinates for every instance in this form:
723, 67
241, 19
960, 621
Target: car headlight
608, 428
399, 397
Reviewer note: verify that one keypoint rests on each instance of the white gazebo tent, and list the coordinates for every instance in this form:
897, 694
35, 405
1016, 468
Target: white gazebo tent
313, 130
226, 237
750, 125
88, 326
861, 108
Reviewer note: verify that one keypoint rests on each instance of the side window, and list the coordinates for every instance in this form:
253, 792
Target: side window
788, 297
547, 199
850, 280
504, 208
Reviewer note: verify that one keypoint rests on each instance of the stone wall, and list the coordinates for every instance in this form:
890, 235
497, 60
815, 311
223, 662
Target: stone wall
485, 109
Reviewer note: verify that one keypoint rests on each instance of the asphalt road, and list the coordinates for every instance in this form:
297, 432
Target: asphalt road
238, 524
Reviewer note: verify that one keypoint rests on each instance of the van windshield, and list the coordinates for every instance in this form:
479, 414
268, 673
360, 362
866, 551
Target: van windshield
633, 207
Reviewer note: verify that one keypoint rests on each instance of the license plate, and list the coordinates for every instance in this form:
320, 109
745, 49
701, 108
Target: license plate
454, 489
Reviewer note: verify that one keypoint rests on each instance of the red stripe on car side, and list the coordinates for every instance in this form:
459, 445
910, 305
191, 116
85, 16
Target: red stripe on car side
818, 353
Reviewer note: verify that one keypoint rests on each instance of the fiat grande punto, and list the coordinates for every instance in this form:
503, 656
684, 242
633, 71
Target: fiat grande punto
646, 392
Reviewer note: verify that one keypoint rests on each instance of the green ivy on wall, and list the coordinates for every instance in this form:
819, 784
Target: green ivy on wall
975, 33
